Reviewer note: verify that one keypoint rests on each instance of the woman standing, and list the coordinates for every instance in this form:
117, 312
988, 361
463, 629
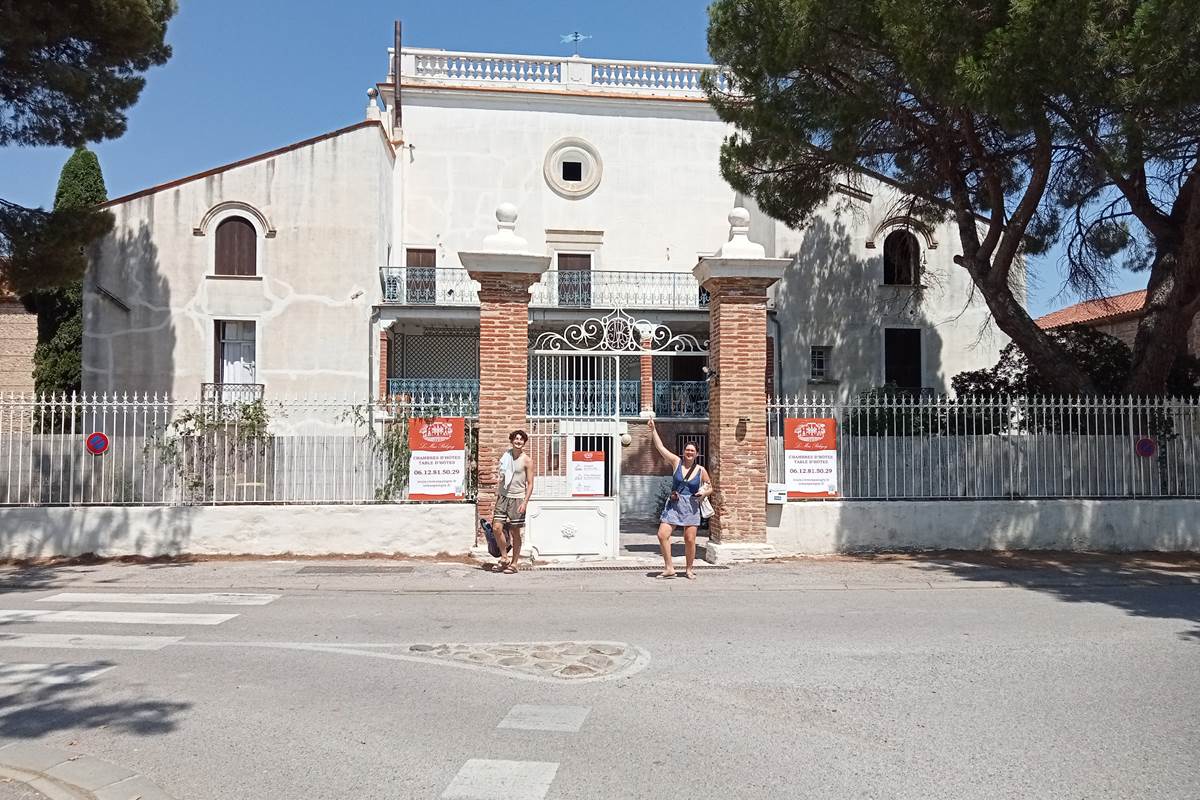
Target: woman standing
683, 507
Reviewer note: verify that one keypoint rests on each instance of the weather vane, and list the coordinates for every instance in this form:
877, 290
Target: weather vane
574, 38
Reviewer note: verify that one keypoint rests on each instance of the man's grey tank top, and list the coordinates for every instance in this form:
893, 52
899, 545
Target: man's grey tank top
520, 478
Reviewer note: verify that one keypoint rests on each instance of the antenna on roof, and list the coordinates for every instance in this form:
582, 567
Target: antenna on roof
574, 38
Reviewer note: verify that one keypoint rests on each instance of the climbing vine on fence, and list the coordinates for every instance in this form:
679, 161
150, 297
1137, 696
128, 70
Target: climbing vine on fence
218, 451
387, 439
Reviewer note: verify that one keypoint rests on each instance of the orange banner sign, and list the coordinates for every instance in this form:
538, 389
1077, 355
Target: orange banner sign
437, 466
810, 457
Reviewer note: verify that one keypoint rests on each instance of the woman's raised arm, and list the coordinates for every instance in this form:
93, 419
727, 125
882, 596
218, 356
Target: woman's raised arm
671, 458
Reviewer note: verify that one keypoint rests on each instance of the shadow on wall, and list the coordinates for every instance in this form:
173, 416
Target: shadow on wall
129, 330
829, 297
128, 351
104, 530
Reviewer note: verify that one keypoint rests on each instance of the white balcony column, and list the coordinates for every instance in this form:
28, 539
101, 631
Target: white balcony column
737, 279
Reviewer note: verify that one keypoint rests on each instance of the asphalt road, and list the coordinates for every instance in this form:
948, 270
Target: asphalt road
831, 680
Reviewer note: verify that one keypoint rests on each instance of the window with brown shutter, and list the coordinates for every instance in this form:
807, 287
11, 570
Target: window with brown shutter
420, 276
237, 247
575, 280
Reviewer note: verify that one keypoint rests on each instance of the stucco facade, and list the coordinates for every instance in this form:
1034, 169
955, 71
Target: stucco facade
318, 211
606, 165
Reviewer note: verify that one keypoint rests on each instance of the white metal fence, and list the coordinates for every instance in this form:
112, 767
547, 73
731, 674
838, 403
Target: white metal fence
900, 447
192, 452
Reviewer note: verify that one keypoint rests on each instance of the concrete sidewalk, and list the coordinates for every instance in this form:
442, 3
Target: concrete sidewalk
891, 573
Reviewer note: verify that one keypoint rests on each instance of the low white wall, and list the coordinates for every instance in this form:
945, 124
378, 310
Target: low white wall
407, 529
862, 525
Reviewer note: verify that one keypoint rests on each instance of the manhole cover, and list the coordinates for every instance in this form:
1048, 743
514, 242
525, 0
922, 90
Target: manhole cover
352, 570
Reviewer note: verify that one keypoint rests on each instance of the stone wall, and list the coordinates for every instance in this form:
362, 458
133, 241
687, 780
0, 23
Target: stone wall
1126, 331
844, 526
18, 339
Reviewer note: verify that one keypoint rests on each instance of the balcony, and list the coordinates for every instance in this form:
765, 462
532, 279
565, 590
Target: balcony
435, 388
231, 393
672, 399
584, 398
664, 291
680, 399
577, 74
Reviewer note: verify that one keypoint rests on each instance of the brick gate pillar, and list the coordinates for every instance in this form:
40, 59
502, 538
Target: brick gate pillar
737, 279
505, 270
646, 376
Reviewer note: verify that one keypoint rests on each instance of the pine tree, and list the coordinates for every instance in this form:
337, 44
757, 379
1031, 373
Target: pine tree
57, 362
69, 73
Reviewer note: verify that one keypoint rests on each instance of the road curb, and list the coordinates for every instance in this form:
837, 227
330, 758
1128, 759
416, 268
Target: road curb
60, 775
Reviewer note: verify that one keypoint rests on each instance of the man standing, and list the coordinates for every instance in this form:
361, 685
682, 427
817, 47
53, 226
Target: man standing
514, 487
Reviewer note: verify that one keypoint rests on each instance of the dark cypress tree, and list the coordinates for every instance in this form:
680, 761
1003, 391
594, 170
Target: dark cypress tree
57, 362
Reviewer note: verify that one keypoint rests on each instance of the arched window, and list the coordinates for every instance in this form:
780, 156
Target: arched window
901, 259
236, 247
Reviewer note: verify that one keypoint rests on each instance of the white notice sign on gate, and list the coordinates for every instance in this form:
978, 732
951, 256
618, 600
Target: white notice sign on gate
587, 473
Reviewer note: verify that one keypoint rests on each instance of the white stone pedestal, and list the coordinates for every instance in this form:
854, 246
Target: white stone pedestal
732, 552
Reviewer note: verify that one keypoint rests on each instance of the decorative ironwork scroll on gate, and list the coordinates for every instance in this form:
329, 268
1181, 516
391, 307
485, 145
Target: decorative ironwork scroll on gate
617, 332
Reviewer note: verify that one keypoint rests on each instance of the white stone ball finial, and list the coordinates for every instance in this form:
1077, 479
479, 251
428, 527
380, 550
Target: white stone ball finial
739, 244
506, 216
739, 218
505, 237
372, 106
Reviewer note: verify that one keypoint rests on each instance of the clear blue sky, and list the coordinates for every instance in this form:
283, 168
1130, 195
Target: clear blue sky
252, 76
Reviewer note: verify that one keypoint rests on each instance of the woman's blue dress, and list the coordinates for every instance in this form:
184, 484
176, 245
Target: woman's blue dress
685, 511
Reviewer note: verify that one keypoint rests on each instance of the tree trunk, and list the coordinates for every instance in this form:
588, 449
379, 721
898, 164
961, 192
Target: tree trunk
1043, 353
1163, 330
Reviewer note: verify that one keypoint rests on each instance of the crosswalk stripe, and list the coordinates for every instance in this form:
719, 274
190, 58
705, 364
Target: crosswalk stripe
17, 674
564, 719
76, 641
113, 617
153, 598
489, 779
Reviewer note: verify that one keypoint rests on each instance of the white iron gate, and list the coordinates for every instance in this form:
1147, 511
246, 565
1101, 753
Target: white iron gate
583, 383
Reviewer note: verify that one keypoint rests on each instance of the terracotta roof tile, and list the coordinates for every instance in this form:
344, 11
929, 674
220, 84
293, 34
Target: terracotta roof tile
1102, 308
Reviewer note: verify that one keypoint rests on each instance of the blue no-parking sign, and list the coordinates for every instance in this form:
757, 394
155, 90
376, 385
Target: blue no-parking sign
96, 443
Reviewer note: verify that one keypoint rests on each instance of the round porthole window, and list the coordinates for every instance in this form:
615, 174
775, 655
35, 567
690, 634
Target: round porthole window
573, 168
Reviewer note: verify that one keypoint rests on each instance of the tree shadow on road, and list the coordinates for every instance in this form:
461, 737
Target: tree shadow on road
43, 710
1158, 585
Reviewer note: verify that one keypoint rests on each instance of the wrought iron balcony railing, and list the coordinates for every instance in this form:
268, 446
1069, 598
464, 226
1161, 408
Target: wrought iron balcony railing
427, 286
231, 392
681, 399
569, 398
435, 387
583, 398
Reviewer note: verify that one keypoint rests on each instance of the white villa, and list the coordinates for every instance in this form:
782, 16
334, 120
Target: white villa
330, 267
